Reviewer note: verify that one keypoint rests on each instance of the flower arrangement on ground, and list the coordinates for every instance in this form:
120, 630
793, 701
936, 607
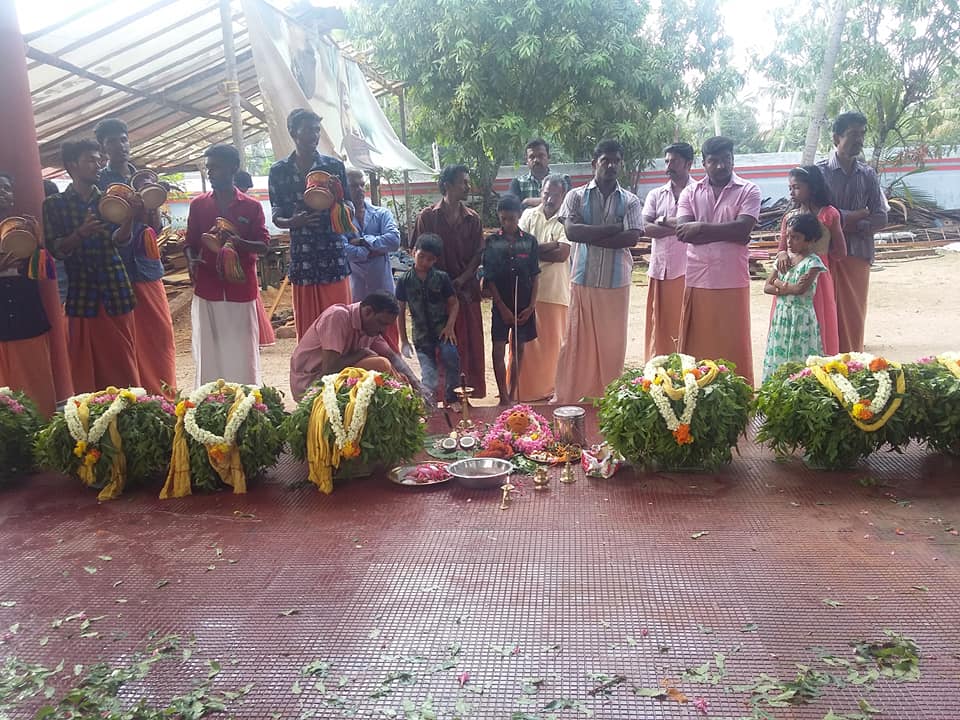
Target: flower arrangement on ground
225, 433
935, 382
109, 438
676, 412
19, 423
517, 430
839, 409
354, 421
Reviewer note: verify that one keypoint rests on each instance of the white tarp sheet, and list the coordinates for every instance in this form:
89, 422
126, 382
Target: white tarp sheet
297, 68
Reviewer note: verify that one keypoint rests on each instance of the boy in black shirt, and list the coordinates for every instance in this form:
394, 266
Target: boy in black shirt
510, 272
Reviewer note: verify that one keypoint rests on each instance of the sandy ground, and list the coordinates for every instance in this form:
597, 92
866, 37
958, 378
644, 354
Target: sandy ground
913, 312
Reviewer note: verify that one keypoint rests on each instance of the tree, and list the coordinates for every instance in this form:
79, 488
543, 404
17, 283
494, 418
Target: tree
824, 83
895, 59
488, 75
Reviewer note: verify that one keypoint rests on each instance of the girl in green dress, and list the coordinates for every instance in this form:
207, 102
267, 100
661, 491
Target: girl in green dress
794, 331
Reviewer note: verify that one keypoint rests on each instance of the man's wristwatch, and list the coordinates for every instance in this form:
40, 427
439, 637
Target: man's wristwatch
661, 220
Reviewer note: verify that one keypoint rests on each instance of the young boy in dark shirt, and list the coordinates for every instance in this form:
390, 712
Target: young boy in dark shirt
511, 273
433, 305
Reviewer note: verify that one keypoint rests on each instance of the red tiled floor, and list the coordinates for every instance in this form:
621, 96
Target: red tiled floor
385, 579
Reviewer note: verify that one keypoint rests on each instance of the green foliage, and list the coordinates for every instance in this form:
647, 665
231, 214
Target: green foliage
631, 423
259, 438
798, 412
19, 423
146, 429
103, 690
485, 77
394, 431
897, 64
937, 422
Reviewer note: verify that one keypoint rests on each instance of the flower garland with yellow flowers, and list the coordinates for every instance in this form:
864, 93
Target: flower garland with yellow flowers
222, 450
76, 413
951, 361
868, 414
347, 428
657, 381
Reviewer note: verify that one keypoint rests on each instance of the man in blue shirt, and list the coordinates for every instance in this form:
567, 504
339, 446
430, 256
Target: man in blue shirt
369, 252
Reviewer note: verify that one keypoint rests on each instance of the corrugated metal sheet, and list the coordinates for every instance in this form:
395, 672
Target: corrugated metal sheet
159, 66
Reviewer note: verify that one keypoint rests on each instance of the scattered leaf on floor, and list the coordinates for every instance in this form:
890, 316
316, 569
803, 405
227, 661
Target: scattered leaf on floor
832, 603
161, 583
750, 627
700, 534
89, 569
289, 612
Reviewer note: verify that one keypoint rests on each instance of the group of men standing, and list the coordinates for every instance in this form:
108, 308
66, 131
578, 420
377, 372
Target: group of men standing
698, 300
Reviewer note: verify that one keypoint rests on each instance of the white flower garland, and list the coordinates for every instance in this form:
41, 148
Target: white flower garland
851, 395
205, 437
690, 390
348, 436
92, 436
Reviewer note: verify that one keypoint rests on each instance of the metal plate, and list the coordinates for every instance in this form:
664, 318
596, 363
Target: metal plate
399, 475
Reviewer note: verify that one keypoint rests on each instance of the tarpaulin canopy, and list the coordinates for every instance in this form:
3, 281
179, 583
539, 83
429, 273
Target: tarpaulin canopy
157, 65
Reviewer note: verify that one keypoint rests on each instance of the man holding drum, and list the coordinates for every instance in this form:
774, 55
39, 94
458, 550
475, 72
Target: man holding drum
319, 271
100, 299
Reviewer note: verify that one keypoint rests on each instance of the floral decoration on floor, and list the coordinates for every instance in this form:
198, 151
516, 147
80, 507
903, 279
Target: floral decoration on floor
838, 409
225, 433
109, 438
935, 380
519, 430
676, 412
352, 422
19, 422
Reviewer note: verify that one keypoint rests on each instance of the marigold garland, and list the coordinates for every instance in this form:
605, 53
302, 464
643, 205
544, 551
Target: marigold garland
868, 415
76, 413
657, 381
324, 457
222, 450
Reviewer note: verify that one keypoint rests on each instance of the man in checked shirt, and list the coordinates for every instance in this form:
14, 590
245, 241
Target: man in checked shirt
100, 299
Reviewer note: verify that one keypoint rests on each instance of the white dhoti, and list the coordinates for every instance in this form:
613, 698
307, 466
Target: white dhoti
226, 341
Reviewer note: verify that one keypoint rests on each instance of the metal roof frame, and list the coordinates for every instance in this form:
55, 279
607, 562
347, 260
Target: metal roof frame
174, 109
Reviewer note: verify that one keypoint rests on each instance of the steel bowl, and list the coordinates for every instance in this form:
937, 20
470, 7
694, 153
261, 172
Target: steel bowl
481, 473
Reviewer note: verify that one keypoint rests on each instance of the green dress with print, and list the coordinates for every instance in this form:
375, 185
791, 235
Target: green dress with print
794, 331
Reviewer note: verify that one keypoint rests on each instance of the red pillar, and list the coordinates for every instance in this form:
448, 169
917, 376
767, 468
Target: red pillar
20, 156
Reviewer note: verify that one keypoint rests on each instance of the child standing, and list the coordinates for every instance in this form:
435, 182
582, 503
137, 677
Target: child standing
433, 307
794, 331
511, 272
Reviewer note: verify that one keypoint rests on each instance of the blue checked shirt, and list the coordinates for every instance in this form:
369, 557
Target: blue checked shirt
96, 271
317, 254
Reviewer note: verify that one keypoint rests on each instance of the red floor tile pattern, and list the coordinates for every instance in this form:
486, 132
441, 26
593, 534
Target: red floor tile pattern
387, 579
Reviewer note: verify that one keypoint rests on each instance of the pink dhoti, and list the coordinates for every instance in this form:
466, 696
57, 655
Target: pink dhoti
267, 336
309, 302
595, 342
715, 324
156, 350
664, 301
25, 365
538, 372
103, 352
851, 280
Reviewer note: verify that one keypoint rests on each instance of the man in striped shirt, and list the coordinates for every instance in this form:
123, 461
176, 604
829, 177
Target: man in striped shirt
602, 221
855, 192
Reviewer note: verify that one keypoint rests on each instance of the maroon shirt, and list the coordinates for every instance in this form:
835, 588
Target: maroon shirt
247, 215
462, 243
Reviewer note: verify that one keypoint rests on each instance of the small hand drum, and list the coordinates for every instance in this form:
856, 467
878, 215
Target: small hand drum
116, 204
317, 196
147, 184
18, 236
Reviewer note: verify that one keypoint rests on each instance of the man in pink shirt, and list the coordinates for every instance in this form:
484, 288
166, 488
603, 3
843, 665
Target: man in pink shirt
349, 336
668, 255
715, 217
